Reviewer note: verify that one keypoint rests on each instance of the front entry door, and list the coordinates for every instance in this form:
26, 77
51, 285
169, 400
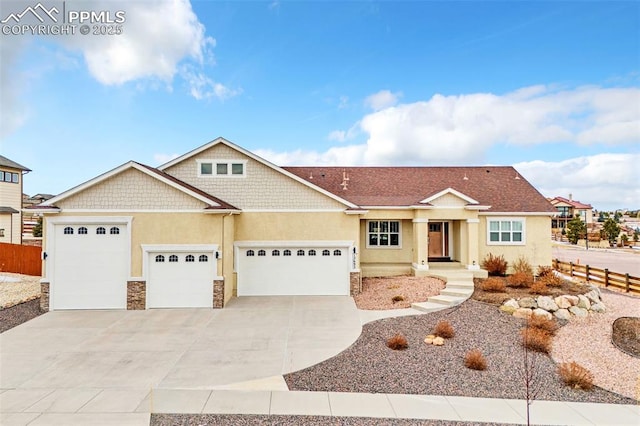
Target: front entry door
438, 240
435, 240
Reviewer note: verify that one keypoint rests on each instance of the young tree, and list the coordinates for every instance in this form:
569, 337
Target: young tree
576, 229
37, 229
611, 230
636, 235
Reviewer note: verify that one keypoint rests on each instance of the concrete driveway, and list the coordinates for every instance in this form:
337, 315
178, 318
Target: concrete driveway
108, 362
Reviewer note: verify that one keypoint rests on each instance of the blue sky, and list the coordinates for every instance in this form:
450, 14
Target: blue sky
552, 88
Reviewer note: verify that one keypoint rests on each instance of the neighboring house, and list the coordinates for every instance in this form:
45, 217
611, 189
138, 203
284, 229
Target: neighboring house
11, 174
568, 209
30, 216
220, 221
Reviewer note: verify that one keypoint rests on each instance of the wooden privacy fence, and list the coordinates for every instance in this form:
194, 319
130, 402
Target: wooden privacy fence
603, 277
20, 259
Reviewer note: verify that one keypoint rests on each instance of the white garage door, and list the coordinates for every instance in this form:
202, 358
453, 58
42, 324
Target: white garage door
290, 270
179, 279
89, 266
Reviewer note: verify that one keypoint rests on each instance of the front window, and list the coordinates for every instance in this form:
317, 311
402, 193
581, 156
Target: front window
383, 233
506, 231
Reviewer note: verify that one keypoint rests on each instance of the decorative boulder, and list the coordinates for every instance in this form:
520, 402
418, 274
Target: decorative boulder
546, 303
512, 303
527, 302
593, 296
562, 314
598, 308
508, 309
562, 302
583, 302
523, 313
572, 299
438, 341
542, 313
429, 339
579, 312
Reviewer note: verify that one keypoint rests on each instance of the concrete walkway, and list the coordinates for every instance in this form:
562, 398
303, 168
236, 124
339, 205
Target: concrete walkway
388, 406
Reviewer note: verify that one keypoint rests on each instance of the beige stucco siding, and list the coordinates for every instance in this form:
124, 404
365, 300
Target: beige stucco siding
261, 188
537, 249
312, 226
131, 189
402, 254
448, 200
11, 196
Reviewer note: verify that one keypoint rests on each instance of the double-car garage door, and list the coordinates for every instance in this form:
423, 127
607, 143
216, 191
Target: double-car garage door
292, 269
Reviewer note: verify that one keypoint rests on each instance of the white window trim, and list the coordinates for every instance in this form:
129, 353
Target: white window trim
215, 161
523, 220
389, 247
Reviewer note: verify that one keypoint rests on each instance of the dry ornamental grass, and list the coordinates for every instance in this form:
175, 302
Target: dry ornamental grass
444, 329
520, 280
541, 288
575, 375
494, 285
397, 342
541, 323
475, 360
536, 340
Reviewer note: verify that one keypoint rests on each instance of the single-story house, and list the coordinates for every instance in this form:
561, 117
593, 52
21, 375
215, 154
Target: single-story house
220, 221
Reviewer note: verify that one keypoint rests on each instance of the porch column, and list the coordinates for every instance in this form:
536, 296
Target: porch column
420, 244
473, 244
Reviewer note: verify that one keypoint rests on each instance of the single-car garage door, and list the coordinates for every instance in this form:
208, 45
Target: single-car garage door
89, 265
271, 270
180, 277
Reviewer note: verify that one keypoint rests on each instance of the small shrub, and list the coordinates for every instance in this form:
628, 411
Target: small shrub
475, 360
397, 298
575, 375
398, 342
444, 329
536, 340
544, 271
520, 280
493, 285
544, 324
494, 265
522, 265
552, 280
540, 287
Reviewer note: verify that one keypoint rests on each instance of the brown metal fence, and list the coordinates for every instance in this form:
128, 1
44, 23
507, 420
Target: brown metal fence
20, 259
602, 277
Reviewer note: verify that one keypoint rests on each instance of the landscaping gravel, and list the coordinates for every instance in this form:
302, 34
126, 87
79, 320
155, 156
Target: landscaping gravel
225, 419
379, 293
17, 314
369, 366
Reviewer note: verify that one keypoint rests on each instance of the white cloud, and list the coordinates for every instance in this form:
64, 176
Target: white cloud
344, 102
382, 99
344, 135
161, 158
202, 87
606, 181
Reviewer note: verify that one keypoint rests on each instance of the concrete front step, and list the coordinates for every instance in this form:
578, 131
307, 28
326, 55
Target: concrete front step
459, 292
428, 306
460, 283
447, 300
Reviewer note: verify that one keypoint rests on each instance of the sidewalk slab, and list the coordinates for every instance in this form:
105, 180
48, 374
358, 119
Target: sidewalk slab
360, 405
422, 407
63, 401
300, 403
17, 400
187, 401
603, 413
551, 412
17, 419
485, 410
116, 401
76, 419
237, 401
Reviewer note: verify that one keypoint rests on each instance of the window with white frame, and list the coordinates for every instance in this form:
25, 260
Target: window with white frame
504, 230
383, 233
222, 168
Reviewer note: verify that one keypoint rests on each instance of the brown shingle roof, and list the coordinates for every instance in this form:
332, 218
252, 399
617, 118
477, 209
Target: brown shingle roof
502, 187
574, 204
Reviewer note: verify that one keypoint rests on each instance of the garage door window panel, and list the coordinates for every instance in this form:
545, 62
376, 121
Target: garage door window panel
68, 230
159, 258
190, 258
114, 230
203, 258
173, 258
101, 231
82, 231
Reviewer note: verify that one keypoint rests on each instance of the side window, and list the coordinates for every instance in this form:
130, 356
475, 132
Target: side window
68, 230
